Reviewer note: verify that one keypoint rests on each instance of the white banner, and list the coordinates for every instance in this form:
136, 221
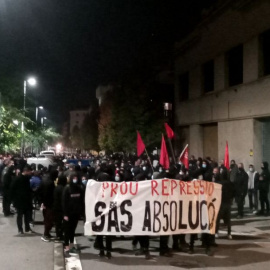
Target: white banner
156, 207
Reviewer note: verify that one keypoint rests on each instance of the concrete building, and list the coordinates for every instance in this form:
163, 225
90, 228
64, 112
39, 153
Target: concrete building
101, 92
222, 83
77, 118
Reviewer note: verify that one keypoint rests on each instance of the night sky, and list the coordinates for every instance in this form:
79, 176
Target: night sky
73, 46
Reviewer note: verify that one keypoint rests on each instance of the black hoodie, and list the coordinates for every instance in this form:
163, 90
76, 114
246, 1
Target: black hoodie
265, 172
58, 193
73, 199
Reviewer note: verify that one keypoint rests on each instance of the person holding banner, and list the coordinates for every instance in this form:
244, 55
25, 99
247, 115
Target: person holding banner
226, 202
142, 239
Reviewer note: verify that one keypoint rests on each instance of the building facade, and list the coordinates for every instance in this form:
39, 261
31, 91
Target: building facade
222, 83
77, 118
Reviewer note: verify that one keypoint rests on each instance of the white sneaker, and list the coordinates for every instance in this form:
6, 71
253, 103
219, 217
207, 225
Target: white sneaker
229, 236
255, 212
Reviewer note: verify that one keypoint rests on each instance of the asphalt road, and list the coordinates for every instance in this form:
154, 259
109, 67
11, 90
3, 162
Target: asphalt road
249, 249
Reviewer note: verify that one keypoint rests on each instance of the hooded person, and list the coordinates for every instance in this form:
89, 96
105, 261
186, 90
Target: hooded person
46, 191
21, 195
263, 187
265, 171
73, 205
241, 189
98, 244
7, 180
57, 207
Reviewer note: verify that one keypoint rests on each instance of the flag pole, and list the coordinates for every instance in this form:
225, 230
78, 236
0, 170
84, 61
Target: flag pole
149, 159
170, 143
183, 151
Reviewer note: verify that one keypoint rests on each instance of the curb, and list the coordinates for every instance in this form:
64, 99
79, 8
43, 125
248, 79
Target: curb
59, 261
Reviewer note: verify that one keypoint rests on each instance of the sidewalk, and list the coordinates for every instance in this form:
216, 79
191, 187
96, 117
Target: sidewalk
27, 251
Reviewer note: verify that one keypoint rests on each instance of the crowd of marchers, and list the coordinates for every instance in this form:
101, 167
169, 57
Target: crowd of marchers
59, 192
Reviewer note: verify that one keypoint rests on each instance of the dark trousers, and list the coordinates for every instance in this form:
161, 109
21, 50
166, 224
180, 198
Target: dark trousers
6, 202
26, 214
193, 237
144, 241
207, 239
253, 199
264, 201
225, 214
240, 204
99, 242
70, 228
58, 219
48, 220
163, 243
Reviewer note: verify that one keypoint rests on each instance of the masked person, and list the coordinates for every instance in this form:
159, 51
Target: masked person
241, 189
57, 207
22, 197
73, 205
253, 178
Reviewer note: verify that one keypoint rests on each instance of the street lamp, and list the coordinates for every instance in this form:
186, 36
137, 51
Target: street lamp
39, 107
31, 82
42, 120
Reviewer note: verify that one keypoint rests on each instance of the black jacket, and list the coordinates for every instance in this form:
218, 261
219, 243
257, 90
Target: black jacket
241, 183
47, 191
57, 199
263, 186
73, 200
228, 191
21, 192
265, 172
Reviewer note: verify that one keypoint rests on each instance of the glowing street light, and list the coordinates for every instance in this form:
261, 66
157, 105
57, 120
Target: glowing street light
58, 147
32, 81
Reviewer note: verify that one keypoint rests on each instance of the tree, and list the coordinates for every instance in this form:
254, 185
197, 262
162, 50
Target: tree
105, 121
39, 136
10, 128
131, 108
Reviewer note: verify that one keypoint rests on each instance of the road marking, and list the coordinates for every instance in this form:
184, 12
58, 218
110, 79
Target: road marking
73, 262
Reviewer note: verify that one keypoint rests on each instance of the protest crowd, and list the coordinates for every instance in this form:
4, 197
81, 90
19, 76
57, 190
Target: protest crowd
59, 192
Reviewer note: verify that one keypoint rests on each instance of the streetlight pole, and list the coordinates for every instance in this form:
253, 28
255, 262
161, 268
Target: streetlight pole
31, 81
40, 107
24, 96
42, 120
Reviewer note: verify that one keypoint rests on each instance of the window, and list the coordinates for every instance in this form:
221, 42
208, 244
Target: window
235, 65
183, 86
265, 52
208, 76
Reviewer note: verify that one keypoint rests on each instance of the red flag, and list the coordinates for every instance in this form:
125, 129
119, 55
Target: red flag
184, 157
169, 131
164, 158
226, 157
140, 144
